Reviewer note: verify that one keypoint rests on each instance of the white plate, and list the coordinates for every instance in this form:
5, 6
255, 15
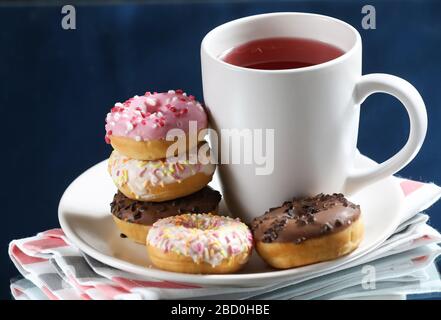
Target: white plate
85, 217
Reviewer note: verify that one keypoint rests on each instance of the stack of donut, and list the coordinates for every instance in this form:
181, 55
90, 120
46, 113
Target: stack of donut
152, 186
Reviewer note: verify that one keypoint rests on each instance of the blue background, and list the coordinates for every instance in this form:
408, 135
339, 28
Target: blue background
57, 86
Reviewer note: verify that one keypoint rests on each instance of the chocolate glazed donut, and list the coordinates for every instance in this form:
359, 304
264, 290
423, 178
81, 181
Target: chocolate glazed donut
134, 218
308, 230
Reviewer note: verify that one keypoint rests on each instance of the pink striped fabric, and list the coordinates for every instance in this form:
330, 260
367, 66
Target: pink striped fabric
409, 186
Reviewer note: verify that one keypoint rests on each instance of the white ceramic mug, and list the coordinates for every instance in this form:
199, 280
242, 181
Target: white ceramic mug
314, 112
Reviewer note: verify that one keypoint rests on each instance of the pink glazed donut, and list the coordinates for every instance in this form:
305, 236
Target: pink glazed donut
138, 127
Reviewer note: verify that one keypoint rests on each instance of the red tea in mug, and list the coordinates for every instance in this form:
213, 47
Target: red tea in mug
281, 53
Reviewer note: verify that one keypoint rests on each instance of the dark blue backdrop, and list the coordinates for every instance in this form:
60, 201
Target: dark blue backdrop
57, 86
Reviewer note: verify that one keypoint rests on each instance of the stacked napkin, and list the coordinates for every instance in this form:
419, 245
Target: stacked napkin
52, 268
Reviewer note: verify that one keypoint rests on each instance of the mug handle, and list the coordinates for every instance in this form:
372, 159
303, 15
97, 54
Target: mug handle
414, 104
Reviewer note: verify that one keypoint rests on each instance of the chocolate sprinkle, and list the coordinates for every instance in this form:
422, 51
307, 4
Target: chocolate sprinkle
310, 218
137, 215
326, 227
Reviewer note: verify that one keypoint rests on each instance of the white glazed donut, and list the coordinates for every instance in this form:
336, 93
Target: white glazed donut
158, 180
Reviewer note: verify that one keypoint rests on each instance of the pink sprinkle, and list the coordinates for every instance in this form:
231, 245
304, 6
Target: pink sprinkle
141, 173
155, 173
171, 108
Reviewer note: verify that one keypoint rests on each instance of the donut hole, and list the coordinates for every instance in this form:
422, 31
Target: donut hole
151, 109
199, 222
148, 104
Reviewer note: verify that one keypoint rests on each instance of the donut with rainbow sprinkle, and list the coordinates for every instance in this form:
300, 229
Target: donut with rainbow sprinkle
199, 243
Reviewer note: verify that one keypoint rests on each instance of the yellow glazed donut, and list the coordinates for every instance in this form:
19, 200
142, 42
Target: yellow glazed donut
199, 243
308, 230
138, 127
157, 180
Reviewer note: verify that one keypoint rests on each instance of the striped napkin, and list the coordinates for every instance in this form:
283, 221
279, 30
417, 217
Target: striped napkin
52, 268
